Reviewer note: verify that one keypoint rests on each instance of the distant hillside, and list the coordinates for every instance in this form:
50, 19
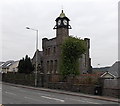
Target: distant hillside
102, 69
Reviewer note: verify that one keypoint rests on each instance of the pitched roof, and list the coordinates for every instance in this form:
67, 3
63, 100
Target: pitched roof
39, 53
39, 56
7, 64
62, 14
1, 64
107, 75
115, 69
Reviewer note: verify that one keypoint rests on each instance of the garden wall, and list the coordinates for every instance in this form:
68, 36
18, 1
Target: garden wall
83, 88
87, 85
16, 78
111, 87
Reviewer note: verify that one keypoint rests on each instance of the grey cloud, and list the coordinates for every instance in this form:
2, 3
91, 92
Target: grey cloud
96, 20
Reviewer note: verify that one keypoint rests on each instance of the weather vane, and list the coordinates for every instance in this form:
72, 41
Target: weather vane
62, 7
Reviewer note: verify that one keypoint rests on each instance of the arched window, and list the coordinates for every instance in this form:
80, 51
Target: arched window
45, 51
48, 51
51, 66
54, 50
55, 66
47, 66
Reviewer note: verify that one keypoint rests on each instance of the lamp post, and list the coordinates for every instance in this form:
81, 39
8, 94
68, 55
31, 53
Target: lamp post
36, 63
98, 65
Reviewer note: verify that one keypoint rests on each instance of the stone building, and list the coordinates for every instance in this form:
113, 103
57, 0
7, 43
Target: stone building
39, 60
51, 53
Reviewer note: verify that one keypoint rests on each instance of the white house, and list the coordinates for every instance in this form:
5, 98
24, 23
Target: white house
10, 66
1, 64
113, 72
108, 75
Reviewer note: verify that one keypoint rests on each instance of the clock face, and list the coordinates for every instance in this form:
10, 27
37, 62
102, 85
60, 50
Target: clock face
59, 22
65, 22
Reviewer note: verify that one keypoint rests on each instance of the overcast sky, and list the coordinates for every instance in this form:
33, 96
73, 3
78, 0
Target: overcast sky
94, 19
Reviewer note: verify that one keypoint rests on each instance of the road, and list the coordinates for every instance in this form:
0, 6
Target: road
0, 92
18, 95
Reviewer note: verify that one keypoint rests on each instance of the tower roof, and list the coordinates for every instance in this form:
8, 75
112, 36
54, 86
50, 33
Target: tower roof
62, 14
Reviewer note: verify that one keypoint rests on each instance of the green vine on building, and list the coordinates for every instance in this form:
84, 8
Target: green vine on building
72, 50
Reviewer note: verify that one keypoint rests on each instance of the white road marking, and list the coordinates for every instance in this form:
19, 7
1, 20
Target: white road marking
31, 98
10, 93
34, 99
44, 94
76, 100
92, 102
53, 98
86, 101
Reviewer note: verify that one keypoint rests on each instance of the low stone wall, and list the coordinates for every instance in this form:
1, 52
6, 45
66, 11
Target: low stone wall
111, 92
83, 88
105, 88
16, 78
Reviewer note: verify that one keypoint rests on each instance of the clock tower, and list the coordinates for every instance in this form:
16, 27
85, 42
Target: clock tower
62, 27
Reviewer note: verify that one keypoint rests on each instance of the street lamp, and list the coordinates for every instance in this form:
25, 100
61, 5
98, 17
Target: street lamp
98, 65
36, 65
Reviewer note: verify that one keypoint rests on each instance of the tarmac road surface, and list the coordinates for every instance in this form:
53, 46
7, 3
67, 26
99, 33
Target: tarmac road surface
18, 95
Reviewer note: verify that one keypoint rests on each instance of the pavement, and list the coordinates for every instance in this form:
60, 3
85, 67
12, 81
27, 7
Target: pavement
116, 100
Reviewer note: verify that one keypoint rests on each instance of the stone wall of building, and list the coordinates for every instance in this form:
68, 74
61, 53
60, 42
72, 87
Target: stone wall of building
85, 60
38, 58
50, 55
52, 49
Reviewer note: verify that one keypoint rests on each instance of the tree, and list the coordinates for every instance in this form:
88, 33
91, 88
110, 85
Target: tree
21, 66
72, 49
25, 65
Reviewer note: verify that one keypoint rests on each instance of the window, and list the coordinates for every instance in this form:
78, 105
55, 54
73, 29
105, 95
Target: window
54, 50
47, 66
45, 51
41, 63
13, 69
85, 60
51, 66
48, 51
55, 66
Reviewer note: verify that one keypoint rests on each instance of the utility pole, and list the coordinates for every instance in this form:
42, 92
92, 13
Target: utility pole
36, 62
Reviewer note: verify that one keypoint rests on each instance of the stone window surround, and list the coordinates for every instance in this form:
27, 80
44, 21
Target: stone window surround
52, 66
50, 50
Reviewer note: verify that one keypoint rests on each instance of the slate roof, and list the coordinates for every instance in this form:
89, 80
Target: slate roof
1, 64
39, 56
115, 69
39, 53
7, 64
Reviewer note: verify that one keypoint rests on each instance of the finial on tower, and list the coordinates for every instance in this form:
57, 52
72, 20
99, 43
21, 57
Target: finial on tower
62, 14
